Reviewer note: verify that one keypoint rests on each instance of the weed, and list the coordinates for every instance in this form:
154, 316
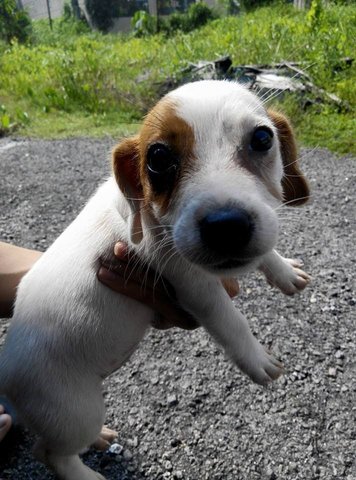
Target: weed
9, 122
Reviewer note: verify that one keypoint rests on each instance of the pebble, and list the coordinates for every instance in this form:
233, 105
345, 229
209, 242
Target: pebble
175, 442
172, 400
155, 378
132, 442
115, 449
178, 475
270, 474
127, 455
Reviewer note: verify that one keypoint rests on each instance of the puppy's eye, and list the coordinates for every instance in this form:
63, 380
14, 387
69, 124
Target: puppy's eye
160, 159
262, 139
162, 167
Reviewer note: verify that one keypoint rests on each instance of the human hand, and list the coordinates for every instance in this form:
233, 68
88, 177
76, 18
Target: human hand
126, 277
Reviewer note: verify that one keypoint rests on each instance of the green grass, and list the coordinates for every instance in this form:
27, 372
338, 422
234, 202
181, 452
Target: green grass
326, 128
65, 125
85, 83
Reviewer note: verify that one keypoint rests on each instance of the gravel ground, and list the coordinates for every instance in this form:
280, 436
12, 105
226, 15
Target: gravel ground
181, 409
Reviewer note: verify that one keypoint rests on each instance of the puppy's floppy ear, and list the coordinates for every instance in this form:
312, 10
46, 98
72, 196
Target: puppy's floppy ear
125, 164
295, 186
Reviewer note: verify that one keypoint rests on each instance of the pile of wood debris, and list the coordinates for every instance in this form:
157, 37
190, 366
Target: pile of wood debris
266, 80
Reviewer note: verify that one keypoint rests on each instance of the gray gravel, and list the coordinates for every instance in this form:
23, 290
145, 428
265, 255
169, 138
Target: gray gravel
181, 409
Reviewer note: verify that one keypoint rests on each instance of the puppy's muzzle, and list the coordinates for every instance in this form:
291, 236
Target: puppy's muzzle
226, 231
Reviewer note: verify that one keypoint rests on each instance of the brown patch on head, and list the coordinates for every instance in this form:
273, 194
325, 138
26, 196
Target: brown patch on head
295, 186
125, 158
125, 164
163, 125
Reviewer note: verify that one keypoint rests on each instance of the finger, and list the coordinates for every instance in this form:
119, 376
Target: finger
170, 314
231, 286
122, 271
121, 251
157, 294
115, 280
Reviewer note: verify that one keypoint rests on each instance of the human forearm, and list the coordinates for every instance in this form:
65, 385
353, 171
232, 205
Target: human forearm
15, 262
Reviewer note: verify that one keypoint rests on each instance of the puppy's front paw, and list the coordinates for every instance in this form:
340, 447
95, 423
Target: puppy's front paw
291, 279
260, 365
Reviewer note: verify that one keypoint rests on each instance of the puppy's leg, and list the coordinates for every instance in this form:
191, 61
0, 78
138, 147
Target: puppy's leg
67, 423
230, 328
284, 273
66, 467
208, 302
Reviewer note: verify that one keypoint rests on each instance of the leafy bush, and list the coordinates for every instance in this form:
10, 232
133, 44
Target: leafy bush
198, 15
15, 24
143, 24
252, 4
65, 30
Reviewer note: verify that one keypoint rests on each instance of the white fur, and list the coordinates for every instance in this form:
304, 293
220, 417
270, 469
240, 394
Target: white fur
69, 331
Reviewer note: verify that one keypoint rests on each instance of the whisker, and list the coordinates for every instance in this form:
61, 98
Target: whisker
293, 200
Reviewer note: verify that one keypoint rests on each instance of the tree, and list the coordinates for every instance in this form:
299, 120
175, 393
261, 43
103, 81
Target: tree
14, 22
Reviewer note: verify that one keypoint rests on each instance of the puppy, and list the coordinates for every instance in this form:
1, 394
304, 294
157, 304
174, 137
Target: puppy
195, 194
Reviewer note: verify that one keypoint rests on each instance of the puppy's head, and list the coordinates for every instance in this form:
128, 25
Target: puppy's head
210, 165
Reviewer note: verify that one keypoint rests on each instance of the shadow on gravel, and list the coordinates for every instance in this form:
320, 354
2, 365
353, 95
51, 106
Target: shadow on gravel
18, 444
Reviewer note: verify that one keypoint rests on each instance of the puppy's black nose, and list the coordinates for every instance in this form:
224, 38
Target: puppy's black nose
226, 231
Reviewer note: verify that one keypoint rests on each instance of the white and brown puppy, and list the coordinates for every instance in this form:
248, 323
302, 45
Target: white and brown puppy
195, 195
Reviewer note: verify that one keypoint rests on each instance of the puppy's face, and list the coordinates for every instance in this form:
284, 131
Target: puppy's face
211, 164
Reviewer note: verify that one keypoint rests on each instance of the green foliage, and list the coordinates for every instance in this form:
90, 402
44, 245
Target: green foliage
253, 4
91, 81
198, 15
321, 125
101, 13
228, 7
65, 30
5, 122
143, 24
314, 15
15, 24
10, 122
